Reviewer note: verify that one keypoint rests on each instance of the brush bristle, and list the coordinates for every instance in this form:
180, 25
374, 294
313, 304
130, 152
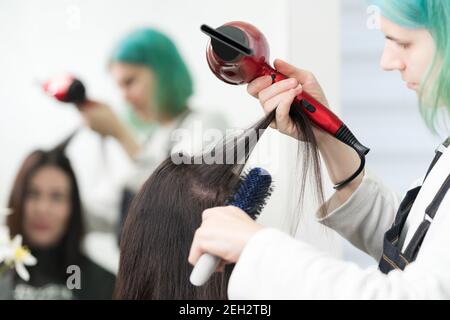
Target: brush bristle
253, 191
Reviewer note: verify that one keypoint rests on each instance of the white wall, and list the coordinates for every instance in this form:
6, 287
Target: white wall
41, 38
315, 46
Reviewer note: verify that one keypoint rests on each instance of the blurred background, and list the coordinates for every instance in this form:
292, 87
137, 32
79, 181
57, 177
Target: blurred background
39, 39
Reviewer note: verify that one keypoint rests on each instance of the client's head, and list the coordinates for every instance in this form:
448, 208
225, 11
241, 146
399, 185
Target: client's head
163, 217
159, 229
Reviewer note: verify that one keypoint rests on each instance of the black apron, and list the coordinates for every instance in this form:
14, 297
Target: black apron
393, 258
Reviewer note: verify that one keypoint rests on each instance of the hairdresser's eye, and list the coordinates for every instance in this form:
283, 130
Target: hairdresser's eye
404, 46
128, 82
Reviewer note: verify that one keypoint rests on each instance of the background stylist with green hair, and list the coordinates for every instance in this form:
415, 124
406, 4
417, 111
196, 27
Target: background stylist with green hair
156, 84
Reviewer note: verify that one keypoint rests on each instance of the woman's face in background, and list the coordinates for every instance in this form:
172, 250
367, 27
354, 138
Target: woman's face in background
47, 207
137, 84
409, 51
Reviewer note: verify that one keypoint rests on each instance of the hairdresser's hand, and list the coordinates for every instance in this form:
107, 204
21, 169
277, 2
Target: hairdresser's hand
100, 118
224, 233
281, 95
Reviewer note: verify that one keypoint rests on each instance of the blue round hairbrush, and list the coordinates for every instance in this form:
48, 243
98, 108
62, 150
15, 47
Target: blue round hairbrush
254, 189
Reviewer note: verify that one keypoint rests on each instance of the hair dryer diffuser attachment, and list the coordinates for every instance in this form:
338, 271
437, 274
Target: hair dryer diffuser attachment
238, 53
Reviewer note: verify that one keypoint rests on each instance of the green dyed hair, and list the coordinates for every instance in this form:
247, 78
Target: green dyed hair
433, 15
153, 49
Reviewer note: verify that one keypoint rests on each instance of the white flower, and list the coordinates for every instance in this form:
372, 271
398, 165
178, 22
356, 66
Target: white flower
12, 253
19, 256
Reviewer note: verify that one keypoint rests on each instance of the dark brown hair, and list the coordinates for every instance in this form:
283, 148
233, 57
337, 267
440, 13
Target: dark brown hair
70, 243
163, 217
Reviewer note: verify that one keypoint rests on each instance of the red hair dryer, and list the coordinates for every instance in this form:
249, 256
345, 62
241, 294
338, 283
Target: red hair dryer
66, 88
238, 53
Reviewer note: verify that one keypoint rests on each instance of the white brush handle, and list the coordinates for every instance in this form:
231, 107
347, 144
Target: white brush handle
203, 269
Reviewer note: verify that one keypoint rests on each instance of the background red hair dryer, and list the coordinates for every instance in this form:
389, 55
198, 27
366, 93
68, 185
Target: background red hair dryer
66, 88
238, 53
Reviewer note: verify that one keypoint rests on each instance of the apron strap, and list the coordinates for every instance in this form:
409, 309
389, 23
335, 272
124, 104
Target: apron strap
416, 242
432, 208
392, 257
439, 151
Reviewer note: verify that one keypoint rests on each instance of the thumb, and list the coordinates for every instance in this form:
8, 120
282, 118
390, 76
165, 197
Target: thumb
86, 105
292, 72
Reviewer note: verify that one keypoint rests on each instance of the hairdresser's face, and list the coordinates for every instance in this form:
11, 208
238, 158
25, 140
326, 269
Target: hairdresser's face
47, 207
409, 51
137, 85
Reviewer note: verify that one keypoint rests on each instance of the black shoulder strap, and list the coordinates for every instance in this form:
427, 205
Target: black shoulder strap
446, 144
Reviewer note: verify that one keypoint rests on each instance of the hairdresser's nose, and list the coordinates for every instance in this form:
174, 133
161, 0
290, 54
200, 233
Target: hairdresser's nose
390, 60
126, 94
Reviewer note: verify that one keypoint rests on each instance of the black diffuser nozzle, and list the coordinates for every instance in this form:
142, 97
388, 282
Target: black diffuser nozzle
228, 42
76, 93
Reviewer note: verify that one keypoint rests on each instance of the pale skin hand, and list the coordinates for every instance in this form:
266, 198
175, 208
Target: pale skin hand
341, 161
100, 118
281, 95
224, 232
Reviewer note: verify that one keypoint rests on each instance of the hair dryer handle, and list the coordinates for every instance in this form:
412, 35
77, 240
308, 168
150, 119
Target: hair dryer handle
203, 269
319, 114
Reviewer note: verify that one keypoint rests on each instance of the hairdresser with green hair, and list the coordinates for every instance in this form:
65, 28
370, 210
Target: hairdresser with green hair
156, 85
409, 237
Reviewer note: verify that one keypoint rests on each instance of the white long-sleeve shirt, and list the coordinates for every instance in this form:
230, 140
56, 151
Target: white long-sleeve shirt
274, 265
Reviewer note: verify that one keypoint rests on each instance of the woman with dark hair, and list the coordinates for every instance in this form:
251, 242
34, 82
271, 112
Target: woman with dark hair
155, 239
163, 217
47, 212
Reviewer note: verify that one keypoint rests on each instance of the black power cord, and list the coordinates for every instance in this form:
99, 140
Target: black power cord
346, 136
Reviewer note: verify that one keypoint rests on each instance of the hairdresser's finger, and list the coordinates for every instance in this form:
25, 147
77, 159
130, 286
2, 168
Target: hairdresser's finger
204, 242
82, 106
261, 83
277, 89
208, 213
284, 107
273, 125
284, 97
196, 251
303, 76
